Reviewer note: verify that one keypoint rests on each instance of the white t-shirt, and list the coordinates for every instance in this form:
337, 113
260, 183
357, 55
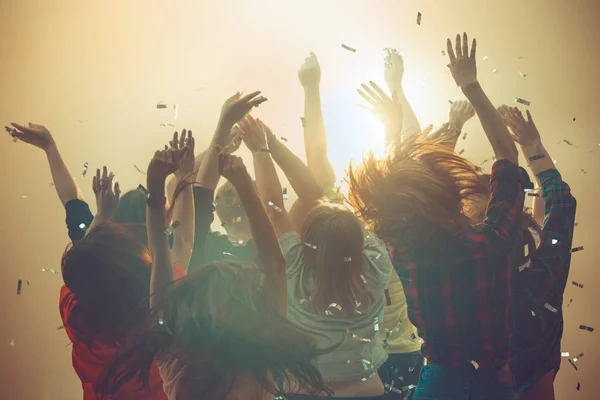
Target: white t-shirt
352, 359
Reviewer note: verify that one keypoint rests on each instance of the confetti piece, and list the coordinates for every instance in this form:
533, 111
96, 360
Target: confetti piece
573, 364
574, 119
418, 18
54, 272
284, 192
302, 301
443, 52
554, 241
564, 354
532, 313
12, 134
570, 301
526, 265
172, 125
388, 299
349, 48
474, 364
83, 227
450, 101
567, 142
549, 307
138, 169
312, 246
274, 207
176, 109
227, 254
522, 74
364, 280
495, 70
85, 169
347, 259
576, 249
327, 312
303, 122
356, 337
579, 356
586, 328
464, 136
583, 170
236, 220
19, 286
144, 190
579, 285
484, 58
376, 324
460, 152
172, 227
378, 256
578, 385
537, 157
161, 105
336, 306
12, 344
576, 223
532, 194
522, 101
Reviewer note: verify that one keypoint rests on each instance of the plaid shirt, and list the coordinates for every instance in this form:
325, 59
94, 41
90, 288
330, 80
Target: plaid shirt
536, 310
461, 307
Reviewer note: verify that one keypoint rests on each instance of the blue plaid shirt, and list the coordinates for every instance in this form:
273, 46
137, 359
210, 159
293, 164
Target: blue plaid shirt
536, 309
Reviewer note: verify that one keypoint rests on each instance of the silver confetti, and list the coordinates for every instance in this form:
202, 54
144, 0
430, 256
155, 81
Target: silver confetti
522, 74
167, 124
495, 70
227, 254
138, 169
356, 337
12, 134
176, 109
564, 354
549, 307
522, 101
274, 207
285, 194
376, 324
348, 48
83, 227
161, 105
484, 58
579, 356
85, 169
378, 256
172, 227
144, 190
347, 259
54, 272
474, 364
336, 306
364, 280
312, 246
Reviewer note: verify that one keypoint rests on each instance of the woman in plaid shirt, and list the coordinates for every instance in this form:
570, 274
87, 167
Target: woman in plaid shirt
456, 276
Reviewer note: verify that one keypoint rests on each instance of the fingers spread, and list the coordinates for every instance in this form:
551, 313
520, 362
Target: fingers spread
458, 46
367, 98
450, 51
249, 97
465, 45
473, 49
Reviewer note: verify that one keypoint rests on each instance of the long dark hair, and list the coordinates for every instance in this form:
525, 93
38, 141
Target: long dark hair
218, 323
334, 243
108, 271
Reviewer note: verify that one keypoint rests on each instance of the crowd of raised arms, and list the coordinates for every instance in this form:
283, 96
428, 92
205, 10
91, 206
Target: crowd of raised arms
428, 280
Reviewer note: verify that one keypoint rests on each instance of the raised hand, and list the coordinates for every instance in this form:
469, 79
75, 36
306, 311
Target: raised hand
253, 134
235, 140
524, 130
36, 135
460, 112
503, 110
462, 64
310, 72
107, 194
164, 163
232, 167
387, 109
394, 71
236, 107
185, 141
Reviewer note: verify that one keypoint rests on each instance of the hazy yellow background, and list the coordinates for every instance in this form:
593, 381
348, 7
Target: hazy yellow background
92, 72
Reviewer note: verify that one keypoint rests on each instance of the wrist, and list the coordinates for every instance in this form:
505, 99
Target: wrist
314, 88
470, 87
155, 184
50, 146
241, 181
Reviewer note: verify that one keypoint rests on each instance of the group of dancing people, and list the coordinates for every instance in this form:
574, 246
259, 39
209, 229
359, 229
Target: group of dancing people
428, 280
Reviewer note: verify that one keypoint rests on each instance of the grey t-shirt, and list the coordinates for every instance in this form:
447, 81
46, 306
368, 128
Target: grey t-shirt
354, 358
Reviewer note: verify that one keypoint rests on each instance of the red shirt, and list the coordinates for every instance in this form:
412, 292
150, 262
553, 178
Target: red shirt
89, 363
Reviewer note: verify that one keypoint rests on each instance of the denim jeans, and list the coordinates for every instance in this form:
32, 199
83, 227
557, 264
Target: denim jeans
464, 383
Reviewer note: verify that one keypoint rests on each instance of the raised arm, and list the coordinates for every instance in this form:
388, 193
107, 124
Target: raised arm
267, 181
107, 195
460, 112
263, 234
394, 72
234, 109
538, 159
387, 109
464, 70
163, 164
39, 136
183, 212
315, 136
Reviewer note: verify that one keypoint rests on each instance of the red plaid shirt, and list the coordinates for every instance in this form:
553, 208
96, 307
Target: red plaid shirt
461, 307
536, 310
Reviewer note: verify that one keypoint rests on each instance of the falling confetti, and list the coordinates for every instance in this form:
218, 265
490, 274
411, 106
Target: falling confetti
273, 206
460, 152
579, 356
363, 279
349, 48
443, 52
578, 385
388, 299
336, 306
227, 254
522, 74
167, 124
549, 307
537, 157
303, 122
450, 101
567, 142
144, 190
161, 105
583, 170
12, 134
12, 343
464, 136
586, 328
531, 194
577, 249
83, 227
574, 119
312, 246
495, 70
85, 169
579, 285
347, 259
565, 354
356, 337
522, 101
176, 109
484, 58
418, 18
376, 324
474, 364
138, 169
285, 194
54, 272
172, 227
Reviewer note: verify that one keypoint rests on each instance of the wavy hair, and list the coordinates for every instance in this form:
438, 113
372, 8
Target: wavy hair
219, 324
418, 199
